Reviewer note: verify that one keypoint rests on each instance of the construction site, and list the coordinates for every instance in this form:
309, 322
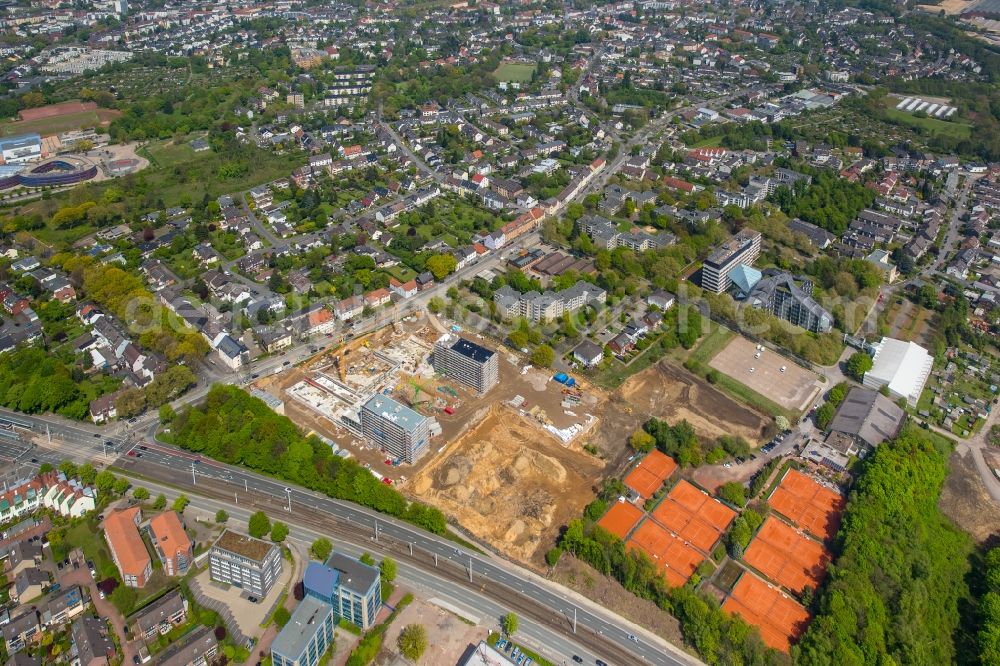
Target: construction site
509, 465
326, 392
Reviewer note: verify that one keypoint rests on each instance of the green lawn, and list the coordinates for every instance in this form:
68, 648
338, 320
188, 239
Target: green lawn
945, 128
514, 71
710, 142
167, 153
90, 540
712, 344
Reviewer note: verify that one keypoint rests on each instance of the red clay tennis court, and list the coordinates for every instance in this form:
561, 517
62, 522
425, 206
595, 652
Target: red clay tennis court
810, 505
650, 473
694, 516
788, 558
621, 518
780, 618
676, 560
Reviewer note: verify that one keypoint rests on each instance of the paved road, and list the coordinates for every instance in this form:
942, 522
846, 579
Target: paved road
427, 584
158, 461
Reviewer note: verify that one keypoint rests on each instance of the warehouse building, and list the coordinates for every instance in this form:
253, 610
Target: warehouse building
466, 362
400, 431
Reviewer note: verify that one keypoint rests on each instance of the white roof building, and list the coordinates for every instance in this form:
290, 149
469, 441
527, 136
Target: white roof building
903, 366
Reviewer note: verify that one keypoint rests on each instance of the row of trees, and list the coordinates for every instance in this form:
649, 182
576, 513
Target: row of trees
718, 638
681, 442
237, 428
896, 588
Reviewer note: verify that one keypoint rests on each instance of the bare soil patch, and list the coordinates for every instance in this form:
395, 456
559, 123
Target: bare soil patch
509, 483
966, 501
584, 579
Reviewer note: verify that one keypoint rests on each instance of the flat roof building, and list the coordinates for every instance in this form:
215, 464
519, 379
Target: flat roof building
242, 561
400, 431
307, 636
902, 366
21, 148
742, 248
466, 362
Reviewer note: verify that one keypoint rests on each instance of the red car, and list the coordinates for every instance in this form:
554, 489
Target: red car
386, 480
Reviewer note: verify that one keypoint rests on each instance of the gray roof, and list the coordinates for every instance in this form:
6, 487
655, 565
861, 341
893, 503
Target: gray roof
396, 412
302, 626
159, 611
90, 634
191, 646
587, 351
354, 574
868, 415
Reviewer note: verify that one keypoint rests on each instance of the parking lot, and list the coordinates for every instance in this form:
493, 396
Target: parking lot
768, 373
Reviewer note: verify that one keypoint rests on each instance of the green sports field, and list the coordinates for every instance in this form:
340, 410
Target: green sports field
514, 71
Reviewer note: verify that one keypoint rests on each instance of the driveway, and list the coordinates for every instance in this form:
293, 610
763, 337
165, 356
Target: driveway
104, 608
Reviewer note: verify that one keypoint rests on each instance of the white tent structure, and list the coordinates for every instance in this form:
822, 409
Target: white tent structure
902, 366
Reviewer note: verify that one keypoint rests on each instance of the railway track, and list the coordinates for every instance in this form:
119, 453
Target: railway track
318, 521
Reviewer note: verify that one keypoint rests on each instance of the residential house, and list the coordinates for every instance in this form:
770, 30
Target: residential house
121, 530
159, 617
171, 543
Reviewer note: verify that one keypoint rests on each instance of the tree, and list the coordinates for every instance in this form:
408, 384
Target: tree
167, 413
509, 624
45, 468
858, 364
124, 598
388, 568
259, 525
367, 559
140, 494
281, 616
733, 492
442, 265
321, 549
279, 532
160, 502
436, 305
641, 441
181, 503
824, 415
781, 423
221, 516
120, 485
543, 356
412, 641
